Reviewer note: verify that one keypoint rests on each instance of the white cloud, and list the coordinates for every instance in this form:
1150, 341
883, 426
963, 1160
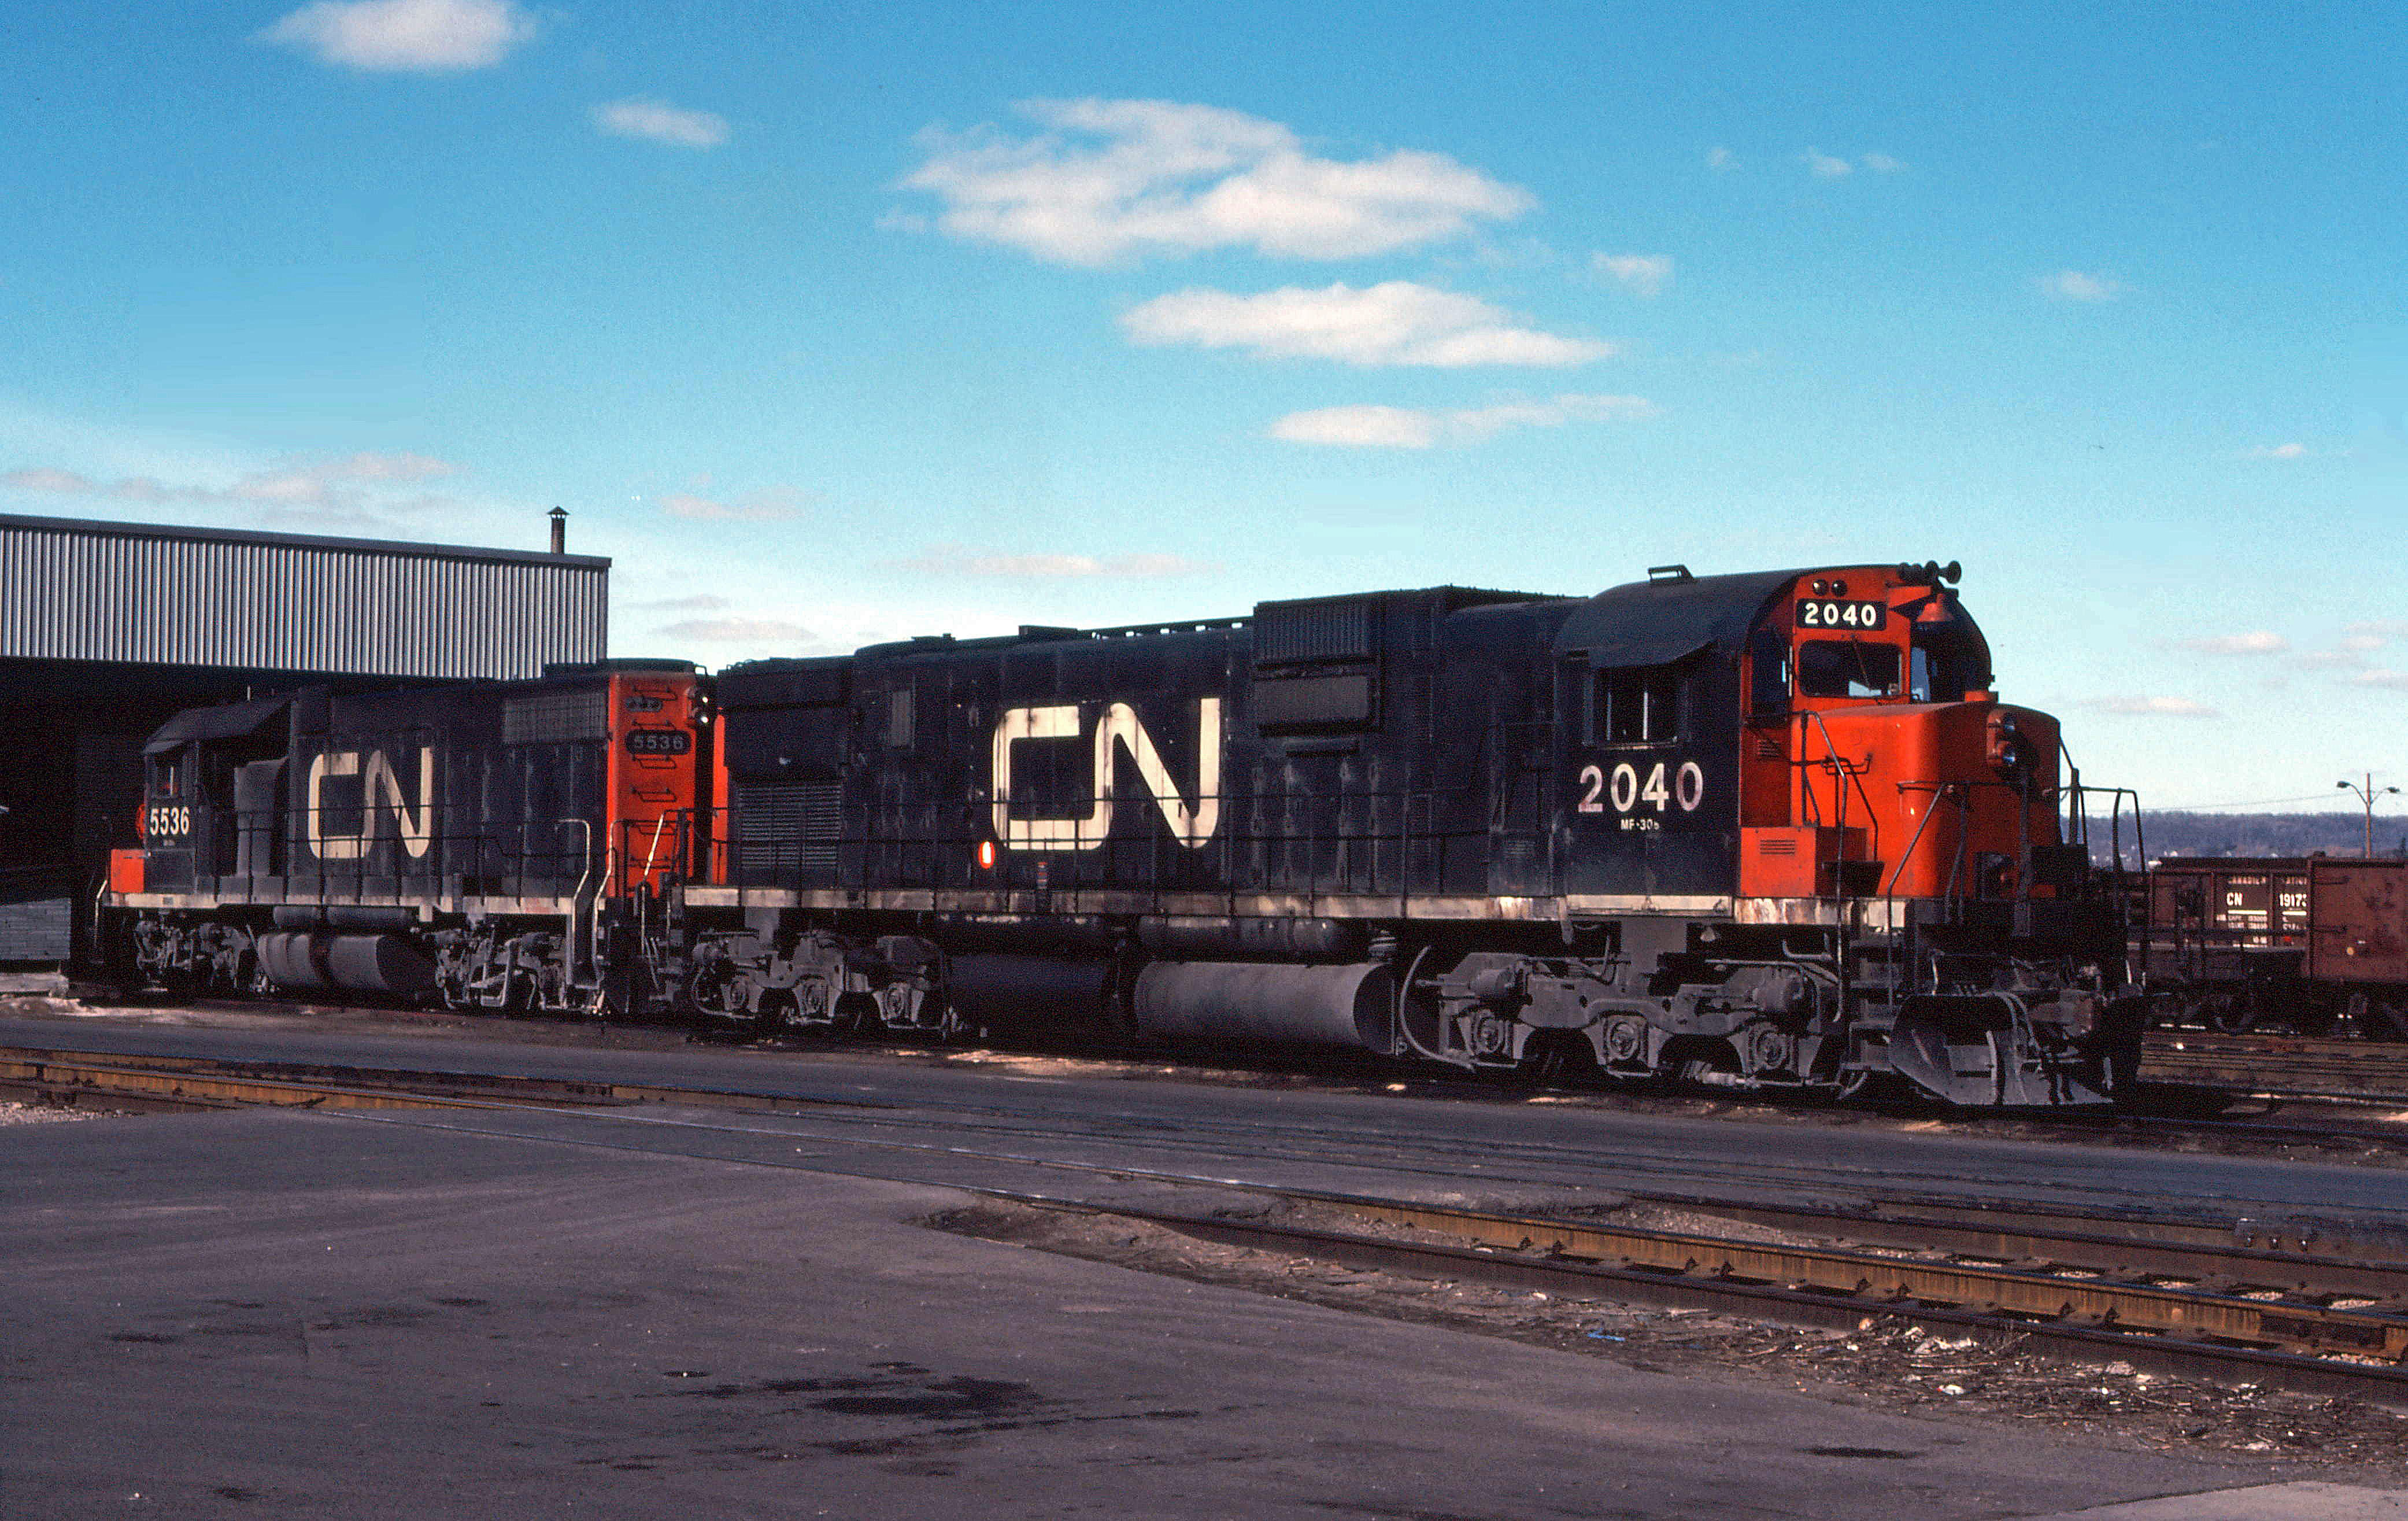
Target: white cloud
958, 560
700, 602
1109, 180
2073, 285
1360, 427
2257, 642
1719, 158
658, 121
2361, 643
2279, 451
778, 505
1401, 427
328, 487
366, 466
428, 36
1641, 274
45, 478
738, 631
2395, 680
1395, 323
2153, 707
1824, 165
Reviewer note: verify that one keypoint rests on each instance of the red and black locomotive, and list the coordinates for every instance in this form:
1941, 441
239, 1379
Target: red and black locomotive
1766, 831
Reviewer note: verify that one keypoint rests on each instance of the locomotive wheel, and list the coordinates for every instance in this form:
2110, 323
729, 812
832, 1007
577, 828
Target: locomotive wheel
1880, 1088
2385, 1020
1556, 1059
518, 994
2231, 1013
775, 1019
954, 1028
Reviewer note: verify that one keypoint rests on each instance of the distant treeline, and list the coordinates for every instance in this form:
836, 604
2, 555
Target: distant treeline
2173, 833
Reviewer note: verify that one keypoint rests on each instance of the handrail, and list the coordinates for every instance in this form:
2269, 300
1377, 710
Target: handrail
1840, 766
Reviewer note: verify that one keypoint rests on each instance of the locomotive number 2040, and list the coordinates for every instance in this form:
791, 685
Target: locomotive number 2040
1858, 615
1625, 787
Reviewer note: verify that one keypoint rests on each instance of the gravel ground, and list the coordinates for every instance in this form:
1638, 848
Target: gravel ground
16, 1113
1885, 1364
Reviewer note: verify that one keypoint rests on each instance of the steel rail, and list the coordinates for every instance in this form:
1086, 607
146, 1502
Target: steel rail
1715, 1279
2024, 1288
54, 1079
1359, 1149
2308, 1241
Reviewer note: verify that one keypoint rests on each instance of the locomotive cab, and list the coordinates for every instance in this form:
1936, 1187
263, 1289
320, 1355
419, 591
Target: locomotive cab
1798, 799
1883, 778
1876, 760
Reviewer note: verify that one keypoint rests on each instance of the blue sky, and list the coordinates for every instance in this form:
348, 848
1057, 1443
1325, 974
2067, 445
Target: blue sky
834, 325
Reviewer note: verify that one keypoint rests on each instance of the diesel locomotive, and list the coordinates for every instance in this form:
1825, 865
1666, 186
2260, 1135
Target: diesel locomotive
1766, 831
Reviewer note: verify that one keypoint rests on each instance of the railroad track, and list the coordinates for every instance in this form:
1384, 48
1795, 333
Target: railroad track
2320, 1310
2279, 1066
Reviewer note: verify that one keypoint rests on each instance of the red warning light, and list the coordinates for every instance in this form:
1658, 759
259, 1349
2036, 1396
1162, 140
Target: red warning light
986, 854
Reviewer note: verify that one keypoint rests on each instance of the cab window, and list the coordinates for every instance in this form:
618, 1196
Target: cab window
1847, 668
1950, 660
1635, 708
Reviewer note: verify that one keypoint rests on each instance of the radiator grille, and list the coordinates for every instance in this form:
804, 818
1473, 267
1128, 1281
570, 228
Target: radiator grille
788, 829
557, 717
1313, 631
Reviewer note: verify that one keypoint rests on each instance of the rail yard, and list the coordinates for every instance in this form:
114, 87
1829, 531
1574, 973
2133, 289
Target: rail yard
1357, 1005
2223, 1293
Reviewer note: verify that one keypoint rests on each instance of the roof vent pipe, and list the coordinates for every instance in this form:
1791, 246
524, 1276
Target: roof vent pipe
559, 530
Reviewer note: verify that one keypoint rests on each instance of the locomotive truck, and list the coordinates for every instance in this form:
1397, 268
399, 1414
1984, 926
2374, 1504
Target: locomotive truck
1765, 831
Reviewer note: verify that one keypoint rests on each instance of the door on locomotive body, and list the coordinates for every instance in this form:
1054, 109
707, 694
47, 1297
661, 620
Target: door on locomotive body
1652, 796
169, 820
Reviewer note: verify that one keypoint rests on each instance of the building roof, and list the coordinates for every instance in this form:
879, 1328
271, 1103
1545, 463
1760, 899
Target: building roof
247, 536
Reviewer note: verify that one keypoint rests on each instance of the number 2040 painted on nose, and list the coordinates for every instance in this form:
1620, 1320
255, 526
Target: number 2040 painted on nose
1626, 790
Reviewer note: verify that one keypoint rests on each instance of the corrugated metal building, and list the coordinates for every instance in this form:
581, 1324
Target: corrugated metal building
108, 628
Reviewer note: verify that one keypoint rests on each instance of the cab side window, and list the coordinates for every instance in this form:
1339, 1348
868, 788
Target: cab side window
1769, 673
1635, 708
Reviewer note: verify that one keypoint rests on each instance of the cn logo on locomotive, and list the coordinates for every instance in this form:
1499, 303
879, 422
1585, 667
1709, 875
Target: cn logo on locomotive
1118, 729
379, 790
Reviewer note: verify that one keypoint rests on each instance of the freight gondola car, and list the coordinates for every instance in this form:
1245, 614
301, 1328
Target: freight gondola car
2315, 945
1765, 831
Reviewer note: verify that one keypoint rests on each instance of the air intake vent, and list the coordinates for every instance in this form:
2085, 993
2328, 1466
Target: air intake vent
1298, 631
787, 828
556, 717
1777, 845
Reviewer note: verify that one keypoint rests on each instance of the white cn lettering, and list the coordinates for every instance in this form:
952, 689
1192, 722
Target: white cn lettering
379, 788
1118, 730
325, 845
383, 789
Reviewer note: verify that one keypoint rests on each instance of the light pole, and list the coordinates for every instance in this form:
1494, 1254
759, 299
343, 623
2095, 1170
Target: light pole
2367, 794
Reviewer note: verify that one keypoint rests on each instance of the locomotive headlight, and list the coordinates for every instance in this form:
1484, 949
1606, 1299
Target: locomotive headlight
2006, 749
